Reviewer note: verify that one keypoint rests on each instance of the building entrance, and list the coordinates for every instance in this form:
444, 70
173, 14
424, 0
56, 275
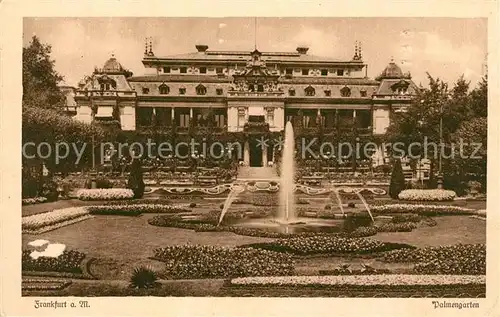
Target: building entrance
255, 153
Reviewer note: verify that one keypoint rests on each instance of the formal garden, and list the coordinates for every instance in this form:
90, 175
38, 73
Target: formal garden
189, 227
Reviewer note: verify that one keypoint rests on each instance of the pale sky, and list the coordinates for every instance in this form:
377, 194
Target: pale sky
444, 47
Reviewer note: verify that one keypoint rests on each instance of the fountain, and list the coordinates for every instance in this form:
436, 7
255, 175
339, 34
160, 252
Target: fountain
287, 182
229, 200
286, 220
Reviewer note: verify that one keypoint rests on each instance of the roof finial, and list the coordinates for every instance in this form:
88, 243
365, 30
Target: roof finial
150, 46
355, 57
145, 46
359, 51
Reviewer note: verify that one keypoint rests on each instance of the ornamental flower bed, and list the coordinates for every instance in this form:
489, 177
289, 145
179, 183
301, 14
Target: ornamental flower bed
38, 221
363, 280
197, 261
427, 195
321, 244
68, 261
207, 226
135, 209
422, 209
32, 201
105, 194
455, 259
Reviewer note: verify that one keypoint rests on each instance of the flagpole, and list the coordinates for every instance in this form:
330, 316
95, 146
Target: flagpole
255, 32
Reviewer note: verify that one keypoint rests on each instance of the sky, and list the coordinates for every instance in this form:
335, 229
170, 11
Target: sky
444, 47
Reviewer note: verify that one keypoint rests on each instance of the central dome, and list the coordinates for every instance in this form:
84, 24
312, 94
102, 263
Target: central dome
392, 71
112, 65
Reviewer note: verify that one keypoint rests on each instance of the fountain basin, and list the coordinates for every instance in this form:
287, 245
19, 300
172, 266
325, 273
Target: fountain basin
296, 225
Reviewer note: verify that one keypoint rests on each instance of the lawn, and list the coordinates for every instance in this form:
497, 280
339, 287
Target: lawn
122, 243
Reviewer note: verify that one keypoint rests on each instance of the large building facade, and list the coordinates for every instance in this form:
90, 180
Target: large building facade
245, 92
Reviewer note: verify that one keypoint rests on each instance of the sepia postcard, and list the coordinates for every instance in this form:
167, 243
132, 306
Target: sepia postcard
249, 158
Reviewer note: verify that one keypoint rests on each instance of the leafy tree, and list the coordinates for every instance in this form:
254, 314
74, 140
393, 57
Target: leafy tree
479, 99
397, 180
39, 77
470, 161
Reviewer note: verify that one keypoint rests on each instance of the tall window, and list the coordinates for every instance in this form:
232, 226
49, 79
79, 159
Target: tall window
324, 72
306, 120
363, 93
328, 93
241, 117
219, 70
105, 86
219, 91
340, 72
270, 116
219, 120
310, 91
184, 120
166, 70
182, 91
260, 88
289, 71
305, 72
183, 70
345, 92
201, 90
203, 70
164, 89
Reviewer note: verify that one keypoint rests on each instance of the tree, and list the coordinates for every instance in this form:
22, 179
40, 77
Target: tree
135, 180
40, 79
470, 161
479, 99
397, 180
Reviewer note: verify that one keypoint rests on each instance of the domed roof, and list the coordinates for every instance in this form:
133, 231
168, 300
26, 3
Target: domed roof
112, 65
392, 71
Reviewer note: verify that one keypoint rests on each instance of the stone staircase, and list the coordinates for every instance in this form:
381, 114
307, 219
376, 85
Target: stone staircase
257, 173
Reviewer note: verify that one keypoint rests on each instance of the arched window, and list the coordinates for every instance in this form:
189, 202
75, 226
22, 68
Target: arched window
164, 89
201, 90
310, 91
345, 92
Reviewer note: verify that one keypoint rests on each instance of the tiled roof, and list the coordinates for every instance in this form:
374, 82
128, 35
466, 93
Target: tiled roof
180, 78
234, 56
329, 81
385, 87
227, 79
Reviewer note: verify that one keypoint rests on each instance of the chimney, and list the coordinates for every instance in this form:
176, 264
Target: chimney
302, 50
201, 48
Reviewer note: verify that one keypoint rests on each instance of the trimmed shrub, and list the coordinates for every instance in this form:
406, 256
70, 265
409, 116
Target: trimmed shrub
105, 194
397, 180
101, 182
49, 190
135, 180
427, 195
422, 209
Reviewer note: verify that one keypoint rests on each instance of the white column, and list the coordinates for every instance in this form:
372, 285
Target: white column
246, 153
264, 156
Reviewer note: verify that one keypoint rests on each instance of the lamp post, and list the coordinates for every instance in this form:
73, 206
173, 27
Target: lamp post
440, 173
